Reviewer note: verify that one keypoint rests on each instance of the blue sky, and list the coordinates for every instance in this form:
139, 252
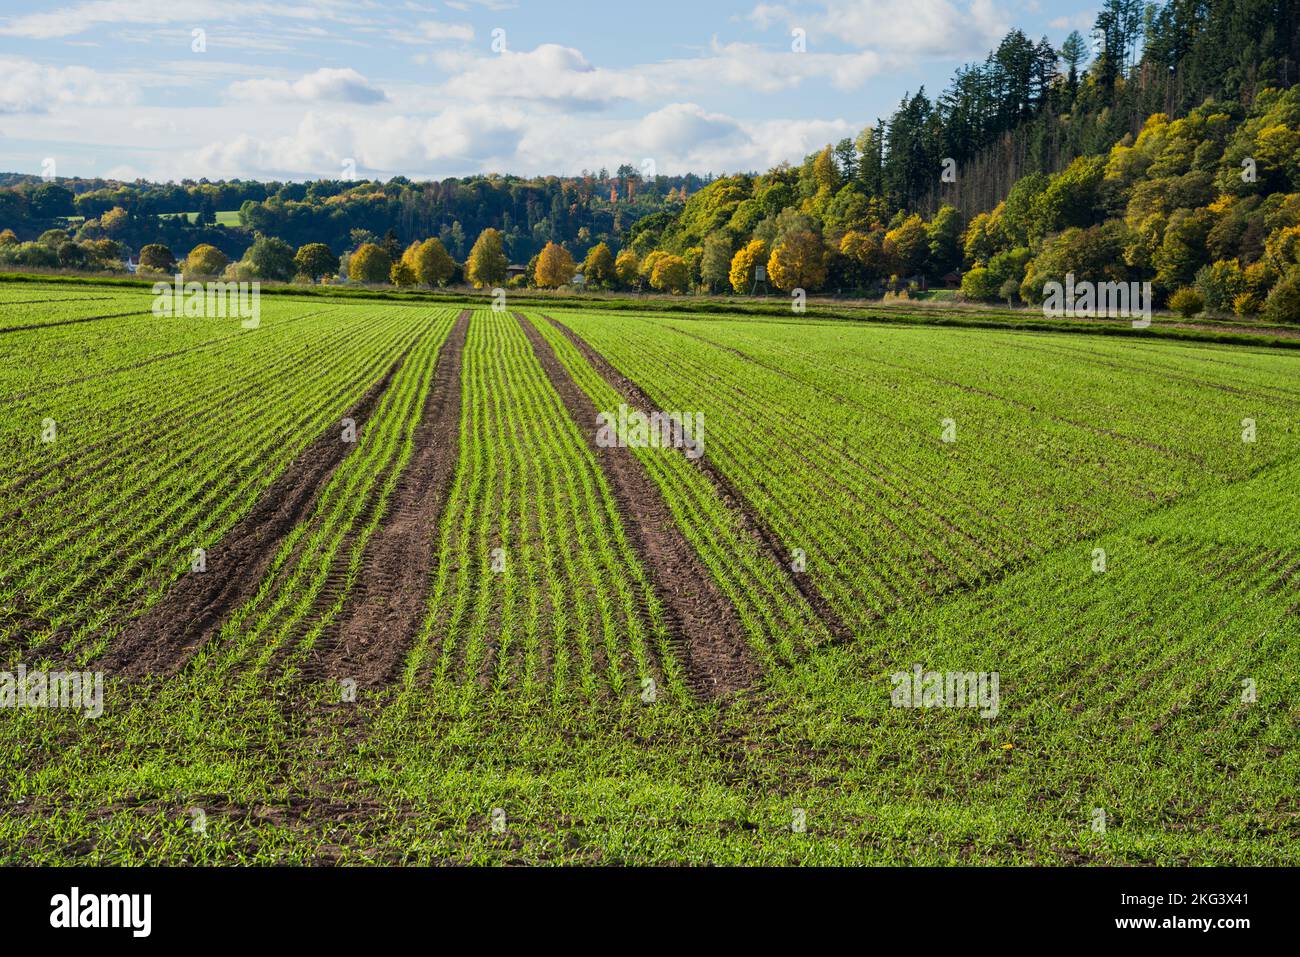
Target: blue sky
305, 89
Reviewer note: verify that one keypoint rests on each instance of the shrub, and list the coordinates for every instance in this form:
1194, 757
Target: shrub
1247, 304
1283, 303
1186, 301
979, 285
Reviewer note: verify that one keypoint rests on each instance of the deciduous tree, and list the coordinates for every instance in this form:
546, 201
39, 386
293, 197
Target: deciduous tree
315, 260
598, 268
747, 259
205, 260
555, 267
798, 262
369, 264
487, 263
430, 262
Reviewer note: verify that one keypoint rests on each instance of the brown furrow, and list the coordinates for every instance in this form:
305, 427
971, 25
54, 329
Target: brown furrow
387, 602
717, 657
163, 639
768, 540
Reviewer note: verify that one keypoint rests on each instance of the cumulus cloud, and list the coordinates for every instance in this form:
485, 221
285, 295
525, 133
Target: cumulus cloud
931, 27
29, 87
551, 74
463, 140
474, 138
562, 79
325, 85
752, 68
684, 137
1077, 21
680, 128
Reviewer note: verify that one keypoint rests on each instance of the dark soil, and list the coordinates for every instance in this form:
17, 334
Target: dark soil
387, 603
750, 519
164, 638
704, 624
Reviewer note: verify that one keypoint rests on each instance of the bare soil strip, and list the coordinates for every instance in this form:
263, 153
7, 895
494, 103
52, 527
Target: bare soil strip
162, 639
387, 604
763, 534
703, 622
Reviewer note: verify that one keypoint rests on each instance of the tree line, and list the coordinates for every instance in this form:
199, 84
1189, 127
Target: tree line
1161, 147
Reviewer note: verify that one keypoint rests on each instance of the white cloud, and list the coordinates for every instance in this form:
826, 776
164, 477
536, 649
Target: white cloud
680, 128
29, 87
930, 27
561, 78
437, 30
753, 68
550, 74
468, 139
1078, 21
463, 140
336, 85
80, 17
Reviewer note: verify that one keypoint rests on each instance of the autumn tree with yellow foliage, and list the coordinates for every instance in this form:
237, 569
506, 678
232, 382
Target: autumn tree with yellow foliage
748, 257
866, 251
907, 245
487, 263
430, 262
627, 270
598, 267
555, 267
798, 262
670, 274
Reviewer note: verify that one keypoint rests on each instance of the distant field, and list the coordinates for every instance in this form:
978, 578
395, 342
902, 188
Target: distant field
563, 651
225, 217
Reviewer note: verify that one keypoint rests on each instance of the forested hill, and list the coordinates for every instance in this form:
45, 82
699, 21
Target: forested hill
1167, 149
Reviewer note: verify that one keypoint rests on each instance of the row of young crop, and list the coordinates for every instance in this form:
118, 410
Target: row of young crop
841, 447
1105, 443
1159, 688
149, 464
778, 622
228, 721
42, 305
536, 590
265, 643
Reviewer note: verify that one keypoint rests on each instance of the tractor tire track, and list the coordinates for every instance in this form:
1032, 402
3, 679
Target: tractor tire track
165, 637
388, 601
72, 322
706, 627
765, 537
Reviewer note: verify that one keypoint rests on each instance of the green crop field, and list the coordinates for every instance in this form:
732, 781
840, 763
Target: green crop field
224, 217
368, 582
